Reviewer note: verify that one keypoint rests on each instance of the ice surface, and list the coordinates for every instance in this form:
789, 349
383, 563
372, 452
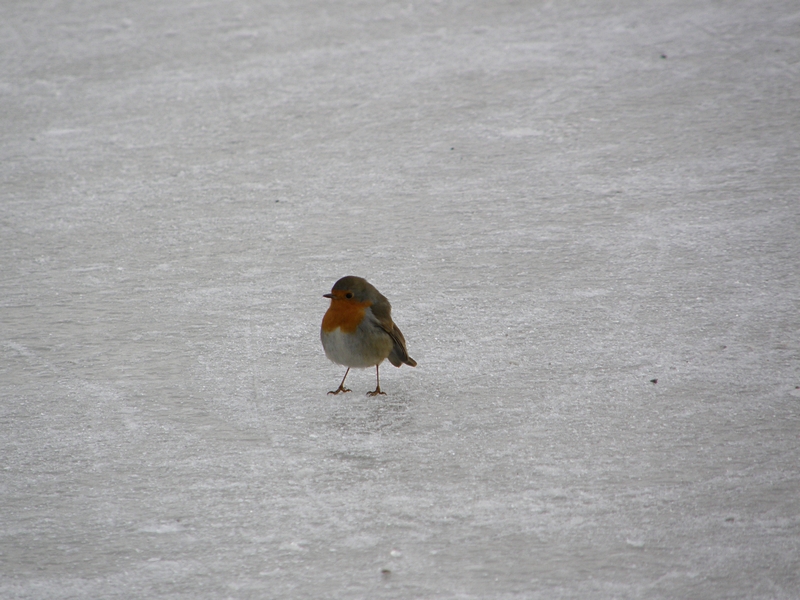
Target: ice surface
562, 200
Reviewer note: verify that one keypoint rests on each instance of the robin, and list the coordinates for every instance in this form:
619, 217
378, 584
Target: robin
358, 331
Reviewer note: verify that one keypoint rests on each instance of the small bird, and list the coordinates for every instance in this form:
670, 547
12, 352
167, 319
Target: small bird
358, 331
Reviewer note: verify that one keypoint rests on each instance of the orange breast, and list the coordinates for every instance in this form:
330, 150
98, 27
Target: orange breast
344, 314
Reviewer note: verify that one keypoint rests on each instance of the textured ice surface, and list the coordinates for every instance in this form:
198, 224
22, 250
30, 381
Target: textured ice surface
563, 201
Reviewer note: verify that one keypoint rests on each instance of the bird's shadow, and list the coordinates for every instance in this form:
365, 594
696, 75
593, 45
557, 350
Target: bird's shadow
366, 416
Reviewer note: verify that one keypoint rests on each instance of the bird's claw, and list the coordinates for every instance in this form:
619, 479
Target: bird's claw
341, 389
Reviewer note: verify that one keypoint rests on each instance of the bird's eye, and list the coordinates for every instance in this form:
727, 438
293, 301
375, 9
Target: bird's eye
348, 295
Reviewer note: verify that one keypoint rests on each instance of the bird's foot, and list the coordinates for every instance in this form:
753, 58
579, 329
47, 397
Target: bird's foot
377, 392
341, 389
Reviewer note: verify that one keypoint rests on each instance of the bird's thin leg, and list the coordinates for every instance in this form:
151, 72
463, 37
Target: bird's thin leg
378, 380
341, 387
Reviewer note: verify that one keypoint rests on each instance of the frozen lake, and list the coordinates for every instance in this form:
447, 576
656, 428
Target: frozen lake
585, 214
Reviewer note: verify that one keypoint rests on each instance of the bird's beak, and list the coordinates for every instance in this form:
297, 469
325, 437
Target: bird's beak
327, 295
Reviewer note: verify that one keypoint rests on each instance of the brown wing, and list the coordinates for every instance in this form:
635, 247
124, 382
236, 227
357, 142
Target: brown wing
399, 354
383, 312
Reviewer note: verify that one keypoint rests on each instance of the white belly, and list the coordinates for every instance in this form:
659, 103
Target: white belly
354, 350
